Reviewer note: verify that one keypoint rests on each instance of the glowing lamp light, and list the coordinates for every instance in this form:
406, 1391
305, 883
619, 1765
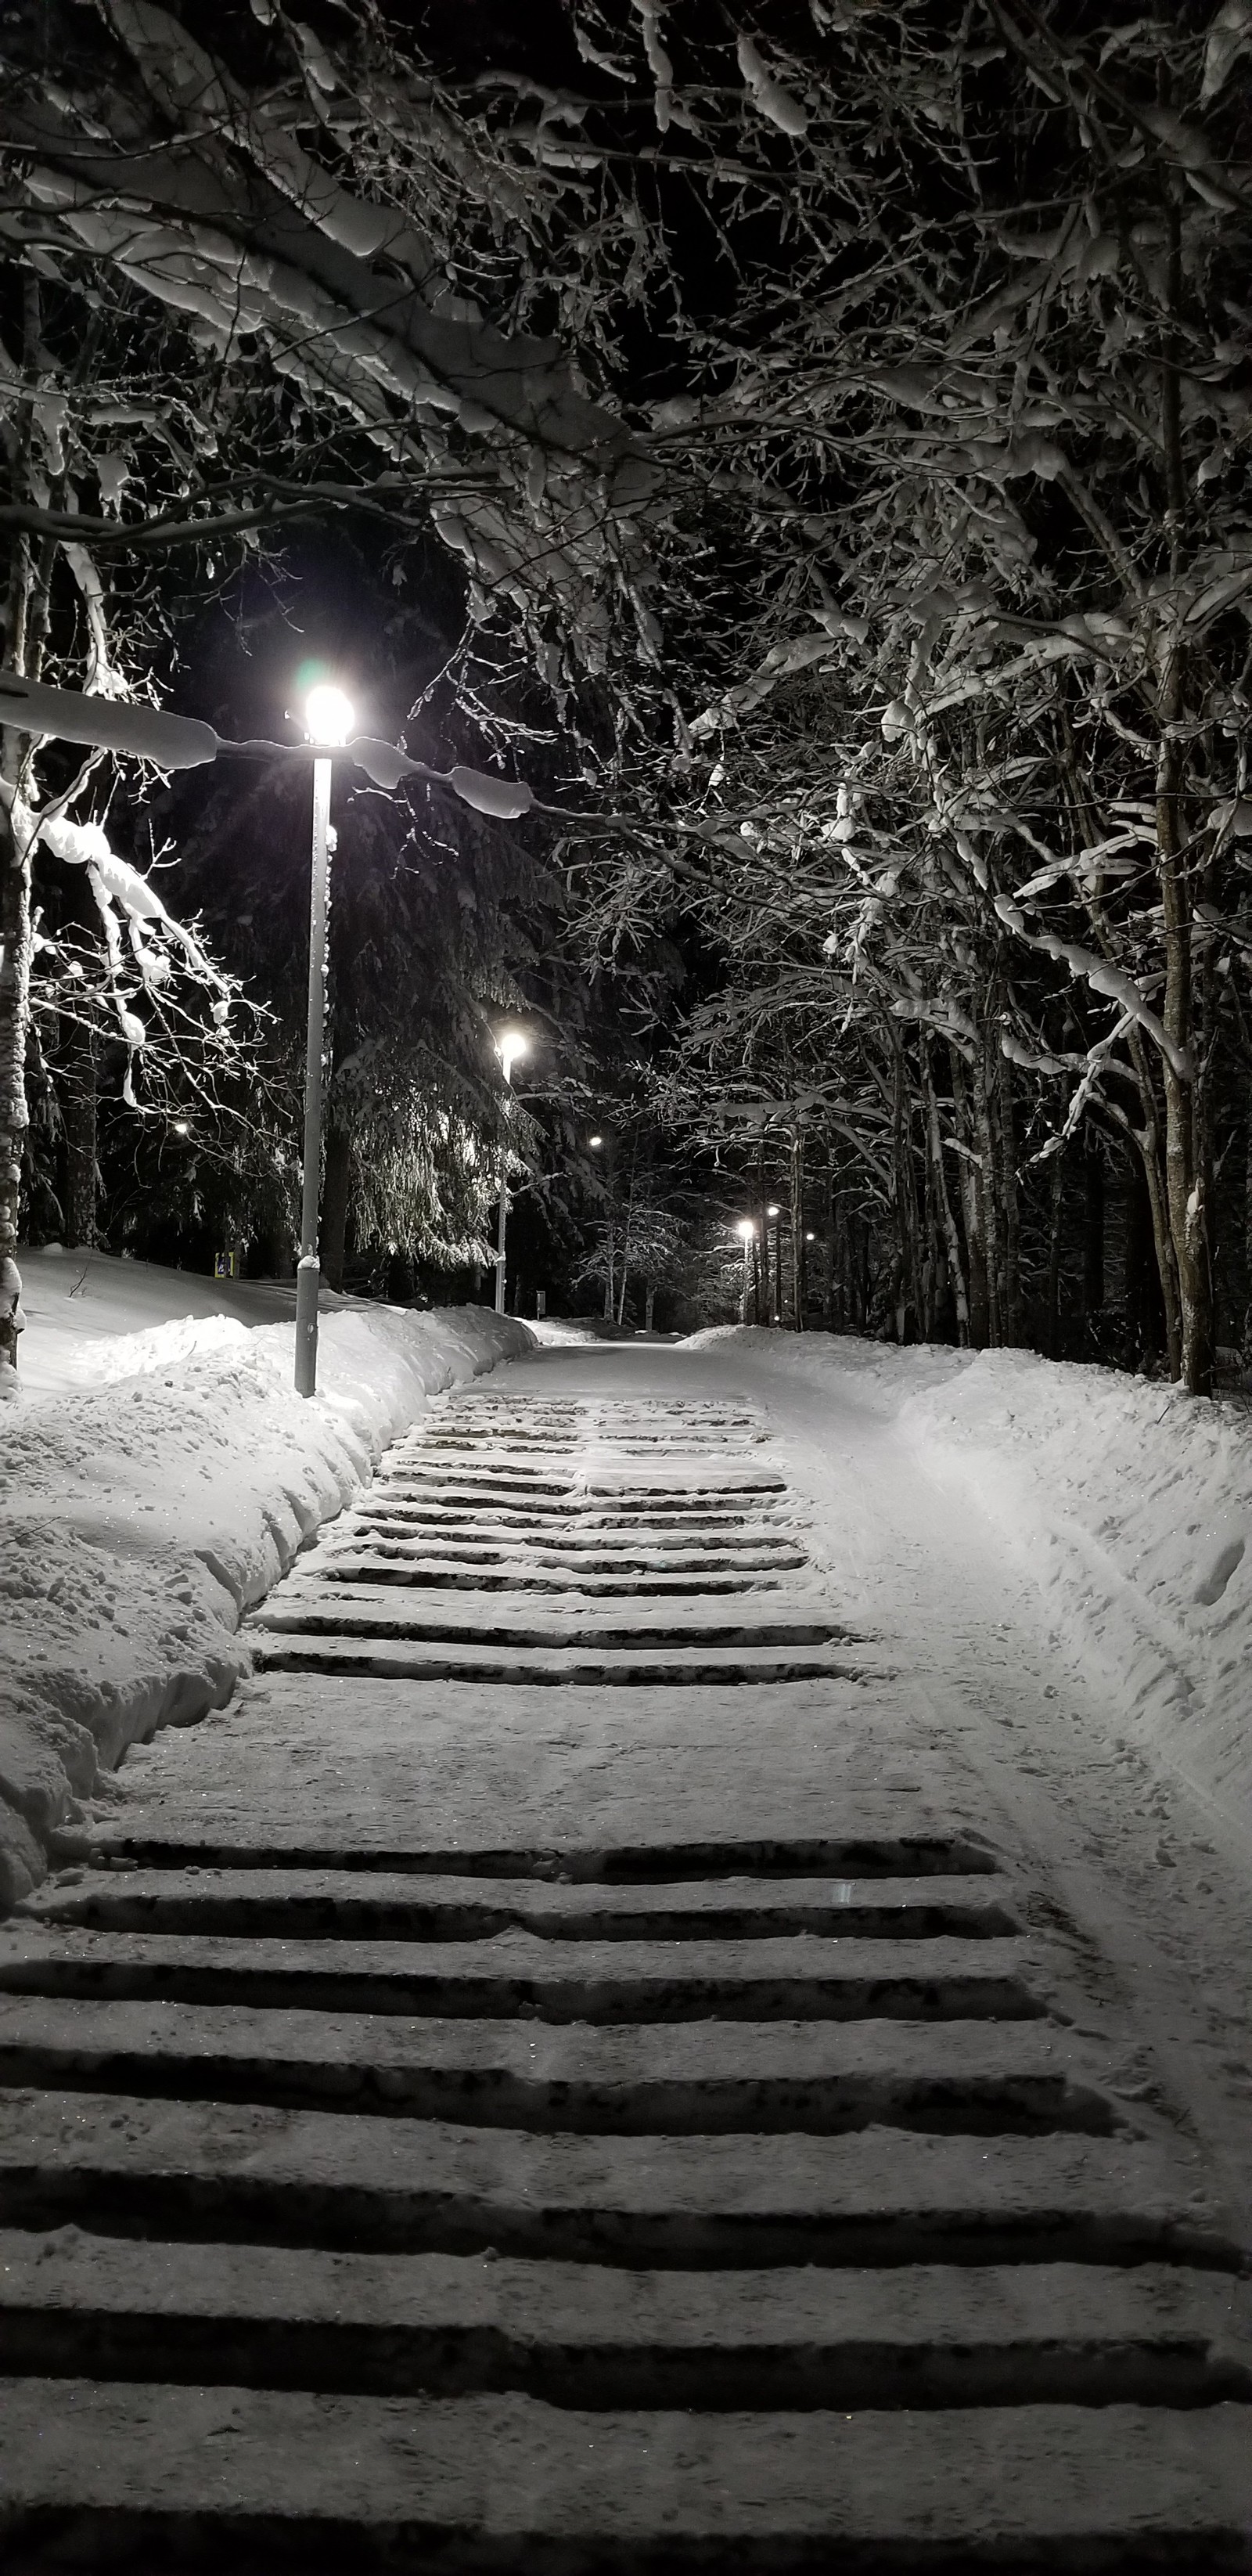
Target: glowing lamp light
511, 1044
773, 1211
181, 1127
593, 1141
329, 717
746, 1230
810, 1238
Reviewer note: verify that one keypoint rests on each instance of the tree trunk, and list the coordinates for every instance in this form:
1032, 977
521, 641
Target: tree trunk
15, 936
828, 1235
336, 1190
78, 1112
1186, 1173
763, 1312
1009, 1202
971, 1205
1052, 1328
797, 1230
26, 628
989, 1209
939, 1185
1247, 1232
649, 1307
909, 1282
1148, 1141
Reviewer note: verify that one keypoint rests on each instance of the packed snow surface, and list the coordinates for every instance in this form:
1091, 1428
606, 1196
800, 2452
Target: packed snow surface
1126, 1501
159, 1473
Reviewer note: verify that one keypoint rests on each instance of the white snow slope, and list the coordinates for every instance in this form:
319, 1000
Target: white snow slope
1127, 1502
156, 1490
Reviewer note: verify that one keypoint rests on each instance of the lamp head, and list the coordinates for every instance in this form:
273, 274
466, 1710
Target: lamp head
594, 1142
746, 1230
329, 717
773, 1211
510, 1044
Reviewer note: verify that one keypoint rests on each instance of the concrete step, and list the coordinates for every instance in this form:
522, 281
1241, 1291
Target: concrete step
618, 1547
131, 2165
671, 1558
244, 1825
572, 1521
304, 1649
594, 2336
316, 1904
322, 1600
411, 1566
514, 1972
271, 2477
711, 2077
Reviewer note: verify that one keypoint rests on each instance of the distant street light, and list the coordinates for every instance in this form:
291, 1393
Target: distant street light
328, 718
510, 1044
746, 1232
595, 1142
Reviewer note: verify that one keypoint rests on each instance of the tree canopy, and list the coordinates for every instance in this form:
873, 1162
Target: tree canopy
816, 443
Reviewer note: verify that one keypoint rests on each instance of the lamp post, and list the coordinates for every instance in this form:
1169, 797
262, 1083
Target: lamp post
328, 721
773, 1299
746, 1232
510, 1044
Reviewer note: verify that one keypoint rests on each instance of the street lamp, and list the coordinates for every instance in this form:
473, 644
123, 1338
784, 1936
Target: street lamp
746, 1232
328, 720
510, 1045
595, 1143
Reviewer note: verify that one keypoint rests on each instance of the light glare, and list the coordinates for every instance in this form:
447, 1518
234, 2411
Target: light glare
329, 717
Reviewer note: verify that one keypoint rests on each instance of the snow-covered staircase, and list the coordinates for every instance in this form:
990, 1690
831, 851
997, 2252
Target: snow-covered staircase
564, 2076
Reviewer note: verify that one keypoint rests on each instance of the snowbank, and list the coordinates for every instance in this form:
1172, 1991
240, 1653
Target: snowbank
1129, 1503
147, 1508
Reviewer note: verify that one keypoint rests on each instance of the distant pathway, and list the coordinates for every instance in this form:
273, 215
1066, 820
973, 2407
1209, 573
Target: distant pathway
571, 2072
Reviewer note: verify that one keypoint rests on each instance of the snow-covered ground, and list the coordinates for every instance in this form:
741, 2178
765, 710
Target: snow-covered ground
159, 1472
1126, 1502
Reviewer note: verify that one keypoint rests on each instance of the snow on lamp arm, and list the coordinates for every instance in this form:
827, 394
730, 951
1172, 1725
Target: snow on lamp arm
183, 742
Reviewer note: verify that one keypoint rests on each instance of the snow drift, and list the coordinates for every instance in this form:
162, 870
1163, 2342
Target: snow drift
148, 1508
1128, 1502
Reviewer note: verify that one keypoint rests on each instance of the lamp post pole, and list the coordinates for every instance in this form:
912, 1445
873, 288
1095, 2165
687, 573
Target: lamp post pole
329, 719
502, 1219
309, 1270
510, 1047
746, 1232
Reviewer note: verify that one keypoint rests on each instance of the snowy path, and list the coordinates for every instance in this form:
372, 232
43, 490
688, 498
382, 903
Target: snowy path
647, 2035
